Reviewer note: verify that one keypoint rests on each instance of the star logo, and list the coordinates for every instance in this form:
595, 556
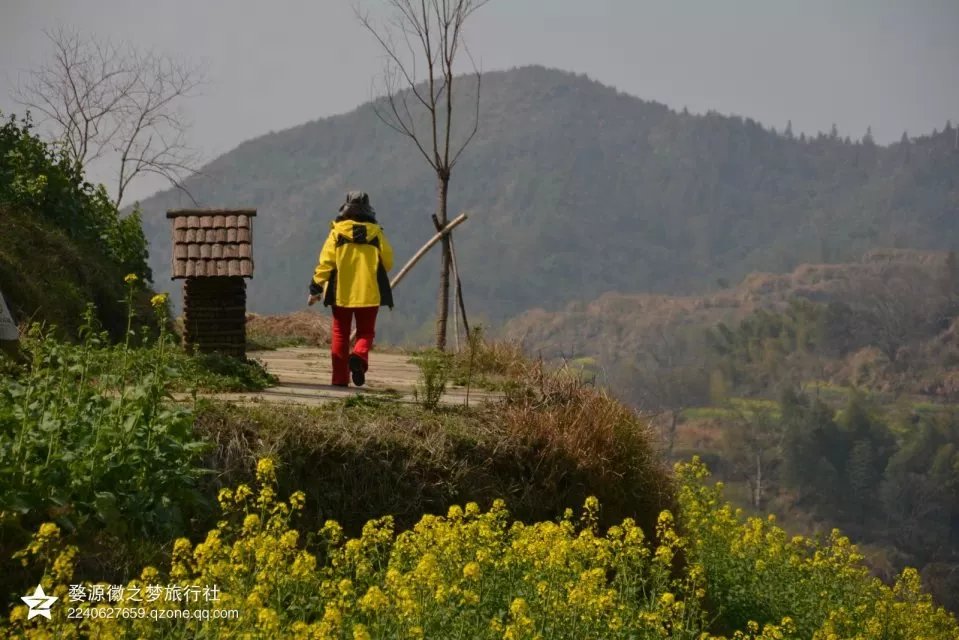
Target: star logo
39, 603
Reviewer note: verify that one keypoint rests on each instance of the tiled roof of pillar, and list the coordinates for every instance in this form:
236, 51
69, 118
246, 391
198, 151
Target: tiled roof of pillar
212, 242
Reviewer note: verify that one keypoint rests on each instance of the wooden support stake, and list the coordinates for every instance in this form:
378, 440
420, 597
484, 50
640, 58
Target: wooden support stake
459, 291
456, 322
422, 252
426, 247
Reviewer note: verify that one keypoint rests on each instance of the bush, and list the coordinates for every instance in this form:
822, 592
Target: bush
468, 575
90, 435
435, 367
756, 573
96, 437
34, 176
542, 451
62, 242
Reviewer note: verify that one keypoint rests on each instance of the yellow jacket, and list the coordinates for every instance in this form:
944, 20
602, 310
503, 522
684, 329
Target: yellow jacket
353, 265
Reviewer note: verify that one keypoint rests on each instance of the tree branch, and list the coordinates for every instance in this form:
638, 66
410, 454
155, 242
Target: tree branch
105, 100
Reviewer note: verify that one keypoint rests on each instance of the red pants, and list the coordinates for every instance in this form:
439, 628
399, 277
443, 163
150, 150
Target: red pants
365, 331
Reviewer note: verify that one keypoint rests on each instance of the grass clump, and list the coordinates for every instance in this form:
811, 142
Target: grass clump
543, 450
213, 372
487, 364
435, 367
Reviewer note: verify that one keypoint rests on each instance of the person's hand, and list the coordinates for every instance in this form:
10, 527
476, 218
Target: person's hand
311, 300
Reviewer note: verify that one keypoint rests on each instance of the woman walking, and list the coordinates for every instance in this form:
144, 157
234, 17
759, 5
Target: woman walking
353, 265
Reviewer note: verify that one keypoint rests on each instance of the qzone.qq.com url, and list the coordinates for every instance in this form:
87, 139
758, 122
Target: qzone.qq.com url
153, 614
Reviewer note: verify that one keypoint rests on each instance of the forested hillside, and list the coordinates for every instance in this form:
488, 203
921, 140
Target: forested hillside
828, 396
62, 244
576, 189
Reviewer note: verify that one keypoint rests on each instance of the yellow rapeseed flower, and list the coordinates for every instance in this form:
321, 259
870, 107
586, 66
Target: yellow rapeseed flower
242, 493
130, 278
472, 571
265, 470
18, 615
360, 632
251, 523
269, 622
374, 600
518, 607
545, 575
297, 500
159, 300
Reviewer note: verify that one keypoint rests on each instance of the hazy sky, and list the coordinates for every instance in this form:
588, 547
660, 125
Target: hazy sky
272, 64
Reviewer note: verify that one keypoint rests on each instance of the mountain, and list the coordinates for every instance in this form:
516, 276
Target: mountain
576, 189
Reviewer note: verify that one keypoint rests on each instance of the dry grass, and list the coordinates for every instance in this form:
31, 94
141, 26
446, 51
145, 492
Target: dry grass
542, 450
488, 359
298, 328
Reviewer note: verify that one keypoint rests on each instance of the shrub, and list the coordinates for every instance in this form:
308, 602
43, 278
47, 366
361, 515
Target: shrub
492, 365
756, 573
90, 435
62, 242
97, 442
468, 575
542, 451
435, 367
35, 176
497, 357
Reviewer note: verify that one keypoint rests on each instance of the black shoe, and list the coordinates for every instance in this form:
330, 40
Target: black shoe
358, 369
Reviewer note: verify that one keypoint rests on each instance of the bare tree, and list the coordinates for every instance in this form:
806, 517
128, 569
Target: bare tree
113, 103
896, 309
428, 33
667, 377
752, 443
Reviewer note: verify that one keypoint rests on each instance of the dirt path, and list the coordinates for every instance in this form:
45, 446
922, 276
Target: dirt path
304, 374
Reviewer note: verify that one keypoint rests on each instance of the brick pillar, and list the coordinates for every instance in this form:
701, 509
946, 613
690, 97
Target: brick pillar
214, 314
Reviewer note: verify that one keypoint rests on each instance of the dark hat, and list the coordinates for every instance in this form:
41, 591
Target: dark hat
357, 205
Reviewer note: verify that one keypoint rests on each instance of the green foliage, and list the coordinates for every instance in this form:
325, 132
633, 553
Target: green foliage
575, 184
62, 243
35, 177
91, 436
435, 367
920, 486
757, 574
751, 353
848, 454
46, 277
217, 373
103, 444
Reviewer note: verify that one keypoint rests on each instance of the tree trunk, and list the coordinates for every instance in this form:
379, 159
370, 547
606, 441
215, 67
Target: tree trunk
459, 289
758, 498
673, 420
444, 294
